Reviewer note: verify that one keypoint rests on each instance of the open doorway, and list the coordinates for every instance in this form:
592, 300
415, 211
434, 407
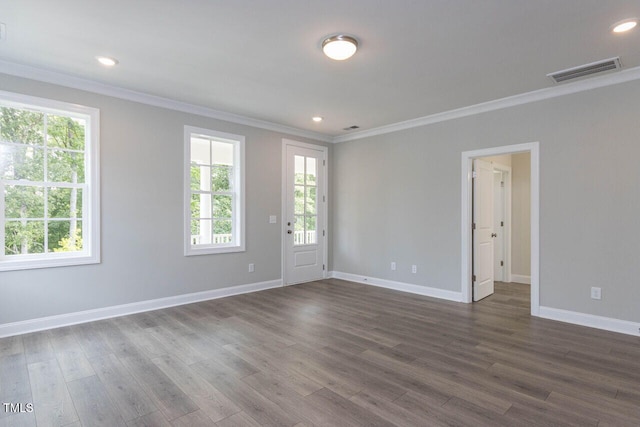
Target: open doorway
508, 189
517, 252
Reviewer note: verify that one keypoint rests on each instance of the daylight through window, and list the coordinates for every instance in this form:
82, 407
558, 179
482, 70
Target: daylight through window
48, 166
214, 180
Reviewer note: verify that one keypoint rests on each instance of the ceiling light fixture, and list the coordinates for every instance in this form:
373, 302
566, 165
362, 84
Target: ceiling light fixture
107, 61
339, 47
625, 25
316, 119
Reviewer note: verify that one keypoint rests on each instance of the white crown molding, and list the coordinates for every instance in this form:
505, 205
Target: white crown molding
590, 320
498, 104
73, 82
398, 286
66, 80
52, 322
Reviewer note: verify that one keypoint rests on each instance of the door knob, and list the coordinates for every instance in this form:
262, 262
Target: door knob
289, 231
494, 235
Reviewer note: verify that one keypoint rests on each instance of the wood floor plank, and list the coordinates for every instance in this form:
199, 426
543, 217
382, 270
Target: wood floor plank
244, 396
164, 393
154, 419
329, 352
37, 347
194, 419
93, 404
51, 400
15, 388
128, 395
11, 345
241, 419
210, 400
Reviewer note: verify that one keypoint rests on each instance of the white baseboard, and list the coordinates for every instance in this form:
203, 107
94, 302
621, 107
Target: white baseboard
51, 322
590, 320
399, 286
519, 278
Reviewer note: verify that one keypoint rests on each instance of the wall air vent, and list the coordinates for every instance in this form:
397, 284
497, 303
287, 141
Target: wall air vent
354, 127
585, 70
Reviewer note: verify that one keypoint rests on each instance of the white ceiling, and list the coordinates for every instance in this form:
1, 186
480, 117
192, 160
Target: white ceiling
262, 59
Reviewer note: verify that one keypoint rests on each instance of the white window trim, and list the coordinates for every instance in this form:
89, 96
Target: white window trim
91, 236
239, 172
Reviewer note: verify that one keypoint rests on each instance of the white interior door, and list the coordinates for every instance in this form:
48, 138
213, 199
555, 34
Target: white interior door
304, 217
483, 233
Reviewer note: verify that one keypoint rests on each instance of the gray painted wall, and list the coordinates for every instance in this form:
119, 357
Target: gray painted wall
142, 228
521, 214
397, 198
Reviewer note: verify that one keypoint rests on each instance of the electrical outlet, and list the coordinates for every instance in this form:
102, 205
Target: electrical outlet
596, 293
251, 268
393, 266
414, 269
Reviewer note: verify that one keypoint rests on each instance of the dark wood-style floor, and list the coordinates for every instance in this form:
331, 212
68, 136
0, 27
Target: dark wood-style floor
328, 353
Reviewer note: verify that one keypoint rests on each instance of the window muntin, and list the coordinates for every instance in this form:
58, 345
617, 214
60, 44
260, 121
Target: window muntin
49, 201
214, 181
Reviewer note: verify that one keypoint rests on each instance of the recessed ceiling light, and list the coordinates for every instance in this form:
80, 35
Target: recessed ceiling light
107, 61
316, 119
339, 47
625, 25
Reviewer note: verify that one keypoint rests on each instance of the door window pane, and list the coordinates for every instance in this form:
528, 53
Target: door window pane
310, 201
310, 232
298, 169
311, 171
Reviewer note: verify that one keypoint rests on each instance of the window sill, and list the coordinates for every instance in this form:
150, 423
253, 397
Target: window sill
213, 250
48, 263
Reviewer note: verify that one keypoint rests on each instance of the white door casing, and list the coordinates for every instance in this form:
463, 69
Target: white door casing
498, 225
483, 233
466, 246
304, 218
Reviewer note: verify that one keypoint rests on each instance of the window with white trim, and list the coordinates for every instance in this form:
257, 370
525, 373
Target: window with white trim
214, 192
49, 190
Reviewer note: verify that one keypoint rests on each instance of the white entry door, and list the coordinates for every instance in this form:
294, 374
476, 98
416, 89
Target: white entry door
305, 212
483, 233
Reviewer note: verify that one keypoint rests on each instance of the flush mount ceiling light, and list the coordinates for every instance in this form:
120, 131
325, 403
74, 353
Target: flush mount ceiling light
339, 47
624, 25
107, 61
316, 119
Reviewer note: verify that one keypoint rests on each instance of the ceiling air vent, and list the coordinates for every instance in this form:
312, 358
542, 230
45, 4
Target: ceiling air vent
585, 70
354, 127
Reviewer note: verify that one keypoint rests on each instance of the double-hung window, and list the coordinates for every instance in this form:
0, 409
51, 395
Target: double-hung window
49, 200
214, 192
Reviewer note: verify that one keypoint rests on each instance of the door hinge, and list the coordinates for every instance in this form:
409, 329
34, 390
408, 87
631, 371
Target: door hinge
502, 184
324, 163
323, 199
501, 223
501, 263
473, 226
322, 266
474, 174
473, 278
322, 233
